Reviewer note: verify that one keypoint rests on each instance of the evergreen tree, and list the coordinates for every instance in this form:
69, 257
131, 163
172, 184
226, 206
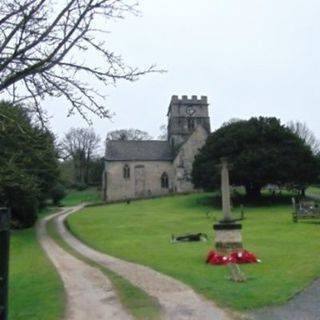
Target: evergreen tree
262, 151
28, 164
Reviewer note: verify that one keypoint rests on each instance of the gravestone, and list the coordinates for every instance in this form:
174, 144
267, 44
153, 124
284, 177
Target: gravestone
227, 232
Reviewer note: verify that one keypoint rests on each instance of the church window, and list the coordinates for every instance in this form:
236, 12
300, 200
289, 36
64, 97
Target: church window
191, 123
126, 172
164, 181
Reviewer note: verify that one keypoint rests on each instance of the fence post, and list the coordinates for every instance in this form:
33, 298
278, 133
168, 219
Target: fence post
4, 261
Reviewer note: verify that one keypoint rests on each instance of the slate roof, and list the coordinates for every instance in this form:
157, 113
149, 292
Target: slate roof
150, 150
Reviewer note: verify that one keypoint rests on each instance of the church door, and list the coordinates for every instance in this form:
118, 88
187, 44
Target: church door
140, 181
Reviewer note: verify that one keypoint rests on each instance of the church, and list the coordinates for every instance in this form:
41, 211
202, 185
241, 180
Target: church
141, 169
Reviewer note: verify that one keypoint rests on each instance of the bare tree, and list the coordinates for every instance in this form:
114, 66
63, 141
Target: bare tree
163, 132
80, 144
128, 134
301, 129
41, 45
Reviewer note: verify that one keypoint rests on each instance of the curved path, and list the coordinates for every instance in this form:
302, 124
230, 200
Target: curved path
90, 293
303, 306
178, 301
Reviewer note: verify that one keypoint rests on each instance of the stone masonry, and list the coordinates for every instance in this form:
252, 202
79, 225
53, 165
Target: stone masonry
140, 169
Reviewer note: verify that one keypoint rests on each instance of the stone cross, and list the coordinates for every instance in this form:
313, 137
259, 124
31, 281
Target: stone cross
225, 191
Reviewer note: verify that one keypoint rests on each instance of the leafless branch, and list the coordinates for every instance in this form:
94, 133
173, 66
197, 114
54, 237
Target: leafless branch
39, 40
80, 145
301, 130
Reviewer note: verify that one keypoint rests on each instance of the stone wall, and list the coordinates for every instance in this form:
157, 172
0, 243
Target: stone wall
181, 123
184, 160
144, 181
145, 176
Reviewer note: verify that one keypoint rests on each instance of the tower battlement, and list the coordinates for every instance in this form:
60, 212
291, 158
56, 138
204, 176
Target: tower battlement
185, 114
186, 100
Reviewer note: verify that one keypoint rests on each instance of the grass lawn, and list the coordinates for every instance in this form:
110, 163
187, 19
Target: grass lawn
140, 232
313, 191
75, 197
35, 289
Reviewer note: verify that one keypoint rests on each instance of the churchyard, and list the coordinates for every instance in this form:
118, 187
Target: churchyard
289, 260
123, 260
104, 216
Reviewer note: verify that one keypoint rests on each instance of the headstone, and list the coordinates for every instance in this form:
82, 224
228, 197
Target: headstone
227, 232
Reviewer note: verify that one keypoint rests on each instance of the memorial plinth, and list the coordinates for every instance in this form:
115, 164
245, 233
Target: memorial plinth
227, 232
227, 237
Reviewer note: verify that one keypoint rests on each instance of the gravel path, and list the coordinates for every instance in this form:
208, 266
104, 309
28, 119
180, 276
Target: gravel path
178, 301
89, 292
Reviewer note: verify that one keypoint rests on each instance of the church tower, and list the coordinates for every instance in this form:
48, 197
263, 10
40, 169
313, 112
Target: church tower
184, 115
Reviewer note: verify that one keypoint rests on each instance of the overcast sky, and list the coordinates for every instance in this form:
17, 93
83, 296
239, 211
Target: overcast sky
250, 57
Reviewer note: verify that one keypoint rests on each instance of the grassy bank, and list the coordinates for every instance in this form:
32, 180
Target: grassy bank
35, 289
140, 232
313, 190
75, 197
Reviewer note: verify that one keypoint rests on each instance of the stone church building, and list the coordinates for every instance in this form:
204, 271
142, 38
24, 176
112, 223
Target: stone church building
140, 169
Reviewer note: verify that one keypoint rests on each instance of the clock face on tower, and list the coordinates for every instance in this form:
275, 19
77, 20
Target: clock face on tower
190, 111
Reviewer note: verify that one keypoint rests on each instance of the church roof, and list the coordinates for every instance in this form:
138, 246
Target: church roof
150, 150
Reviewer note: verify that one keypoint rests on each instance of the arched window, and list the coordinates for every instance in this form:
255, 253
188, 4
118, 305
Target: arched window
191, 124
126, 172
164, 181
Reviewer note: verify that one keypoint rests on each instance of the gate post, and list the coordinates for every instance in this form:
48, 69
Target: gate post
4, 261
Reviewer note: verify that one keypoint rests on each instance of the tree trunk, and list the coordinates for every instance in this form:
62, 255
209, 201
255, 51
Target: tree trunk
87, 168
253, 192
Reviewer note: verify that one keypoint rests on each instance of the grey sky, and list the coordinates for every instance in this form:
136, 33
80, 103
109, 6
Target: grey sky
250, 58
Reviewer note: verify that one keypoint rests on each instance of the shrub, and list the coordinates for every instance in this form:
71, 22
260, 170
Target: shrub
58, 192
24, 210
21, 195
81, 186
28, 164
